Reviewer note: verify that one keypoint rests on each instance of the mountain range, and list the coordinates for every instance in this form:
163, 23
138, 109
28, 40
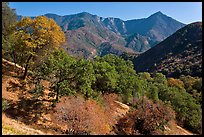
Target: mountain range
89, 35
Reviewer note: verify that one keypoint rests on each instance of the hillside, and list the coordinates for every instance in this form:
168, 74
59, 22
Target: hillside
28, 116
11, 127
36, 116
86, 33
95, 90
181, 53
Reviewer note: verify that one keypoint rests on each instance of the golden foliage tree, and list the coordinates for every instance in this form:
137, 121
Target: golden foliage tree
175, 82
36, 37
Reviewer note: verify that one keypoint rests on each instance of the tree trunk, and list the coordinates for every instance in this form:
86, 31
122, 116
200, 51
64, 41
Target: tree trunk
57, 95
57, 90
26, 67
14, 57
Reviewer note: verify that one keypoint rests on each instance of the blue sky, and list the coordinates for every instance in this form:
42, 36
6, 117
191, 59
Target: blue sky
186, 12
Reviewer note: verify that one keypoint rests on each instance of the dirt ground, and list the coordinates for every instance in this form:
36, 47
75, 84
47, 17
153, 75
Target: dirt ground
14, 127
174, 129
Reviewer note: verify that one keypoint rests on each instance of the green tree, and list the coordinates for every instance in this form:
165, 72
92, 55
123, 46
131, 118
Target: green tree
128, 84
84, 77
198, 85
160, 78
153, 93
58, 70
146, 76
188, 82
188, 112
9, 18
106, 77
138, 89
193, 85
197, 90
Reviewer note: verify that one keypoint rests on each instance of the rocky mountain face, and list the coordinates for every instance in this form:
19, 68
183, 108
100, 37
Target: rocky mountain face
142, 34
87, 34
181, 53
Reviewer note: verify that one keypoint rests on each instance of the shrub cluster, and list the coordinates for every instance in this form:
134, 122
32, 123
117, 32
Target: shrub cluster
5, 105
147, 119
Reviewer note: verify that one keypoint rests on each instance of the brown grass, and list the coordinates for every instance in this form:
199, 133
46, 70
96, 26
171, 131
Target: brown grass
78, 114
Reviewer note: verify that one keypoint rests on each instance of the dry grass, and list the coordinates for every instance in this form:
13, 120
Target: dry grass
174, 129
14, 127
79, 114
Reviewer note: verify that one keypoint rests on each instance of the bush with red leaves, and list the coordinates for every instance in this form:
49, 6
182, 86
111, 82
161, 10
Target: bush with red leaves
148, 118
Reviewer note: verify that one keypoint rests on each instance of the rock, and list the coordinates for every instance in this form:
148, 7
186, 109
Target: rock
123, 106
122, 109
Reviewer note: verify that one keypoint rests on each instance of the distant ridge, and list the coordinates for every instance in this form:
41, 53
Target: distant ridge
87, 34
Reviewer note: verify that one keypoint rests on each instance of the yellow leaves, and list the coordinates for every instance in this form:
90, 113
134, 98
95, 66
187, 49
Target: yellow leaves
30, 44
175, 82
39, 32
41, 22
24, 22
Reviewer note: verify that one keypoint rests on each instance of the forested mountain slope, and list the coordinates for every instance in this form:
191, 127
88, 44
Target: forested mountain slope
181, 53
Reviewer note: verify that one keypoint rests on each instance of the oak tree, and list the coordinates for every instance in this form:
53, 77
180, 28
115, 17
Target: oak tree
36, 37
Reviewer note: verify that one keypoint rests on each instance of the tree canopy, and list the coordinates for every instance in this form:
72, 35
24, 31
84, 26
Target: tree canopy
36, 37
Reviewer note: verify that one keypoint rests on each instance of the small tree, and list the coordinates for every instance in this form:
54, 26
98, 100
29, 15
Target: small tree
160, 78
84, 77
58, 70
106, 77
35, 37
146, 76
153, 93
176, 83
128, 84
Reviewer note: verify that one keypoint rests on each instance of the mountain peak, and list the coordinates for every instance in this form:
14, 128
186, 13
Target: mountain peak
84, 13
159, 13
51, 14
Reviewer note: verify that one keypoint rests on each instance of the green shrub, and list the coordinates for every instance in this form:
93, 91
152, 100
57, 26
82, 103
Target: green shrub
188, 112
5, 105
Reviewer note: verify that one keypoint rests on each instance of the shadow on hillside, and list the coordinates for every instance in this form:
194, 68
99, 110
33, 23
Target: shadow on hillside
14, 86
25, 110
29, 107
10, 70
